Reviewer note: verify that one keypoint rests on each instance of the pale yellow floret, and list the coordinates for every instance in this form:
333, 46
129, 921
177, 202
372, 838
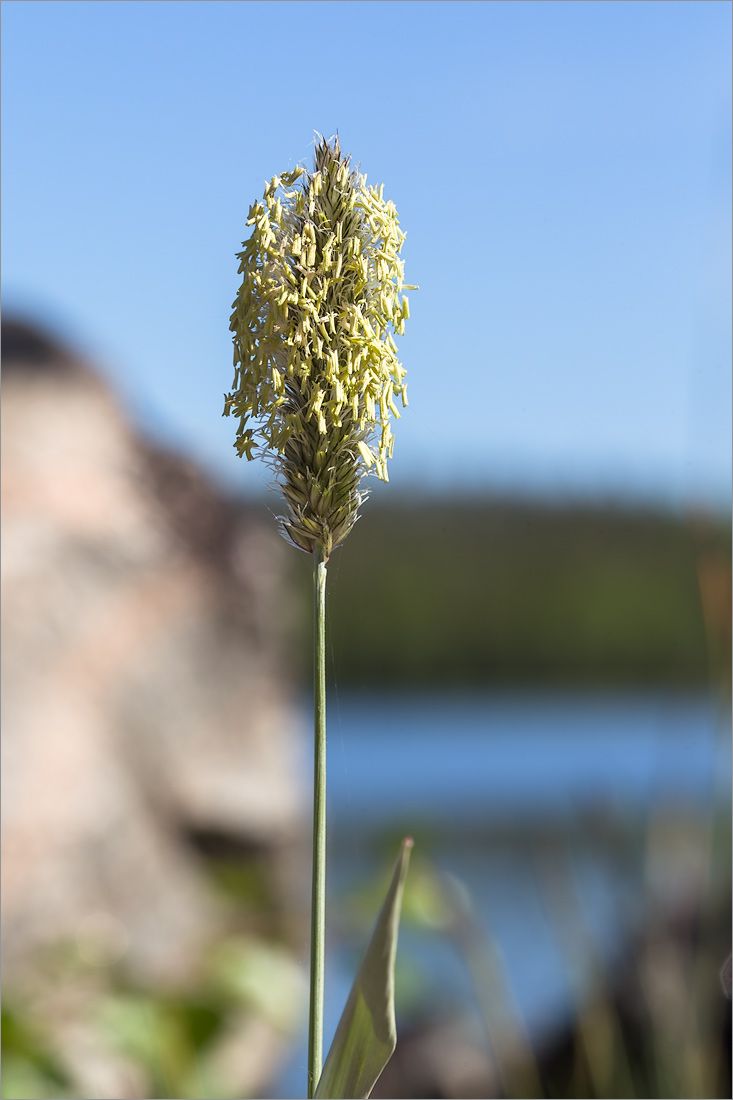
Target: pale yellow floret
365, 453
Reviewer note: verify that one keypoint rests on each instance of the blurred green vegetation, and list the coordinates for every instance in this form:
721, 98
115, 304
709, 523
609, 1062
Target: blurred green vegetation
490, 593
79, 1029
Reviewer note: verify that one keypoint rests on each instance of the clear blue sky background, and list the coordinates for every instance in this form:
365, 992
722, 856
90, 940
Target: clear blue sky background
562, 171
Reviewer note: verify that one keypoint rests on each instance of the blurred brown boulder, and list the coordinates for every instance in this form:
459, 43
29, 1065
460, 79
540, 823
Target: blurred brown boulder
143, 693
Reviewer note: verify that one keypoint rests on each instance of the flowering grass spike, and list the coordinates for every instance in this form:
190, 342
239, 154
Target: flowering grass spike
316, 370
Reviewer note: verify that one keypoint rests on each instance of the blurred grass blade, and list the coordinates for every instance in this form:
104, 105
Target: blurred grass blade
366, 1036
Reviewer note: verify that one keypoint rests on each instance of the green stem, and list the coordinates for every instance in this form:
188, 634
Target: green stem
318, 897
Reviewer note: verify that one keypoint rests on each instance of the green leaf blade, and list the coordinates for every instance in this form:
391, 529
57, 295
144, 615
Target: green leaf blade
366, 1036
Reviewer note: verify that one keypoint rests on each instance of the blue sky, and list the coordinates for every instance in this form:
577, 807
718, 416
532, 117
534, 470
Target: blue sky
562, 171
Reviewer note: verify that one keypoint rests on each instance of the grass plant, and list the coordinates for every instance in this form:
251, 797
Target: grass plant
315, 384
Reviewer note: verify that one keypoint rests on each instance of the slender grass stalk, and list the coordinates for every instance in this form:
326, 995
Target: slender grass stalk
318, 895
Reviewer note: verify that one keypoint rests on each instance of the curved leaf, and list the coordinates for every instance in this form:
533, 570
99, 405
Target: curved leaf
366, 1036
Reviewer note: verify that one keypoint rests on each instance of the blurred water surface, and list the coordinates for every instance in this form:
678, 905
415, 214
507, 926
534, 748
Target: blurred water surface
475, 758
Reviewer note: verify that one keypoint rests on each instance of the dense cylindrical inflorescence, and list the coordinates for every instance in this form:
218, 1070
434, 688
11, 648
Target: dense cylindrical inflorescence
316, 368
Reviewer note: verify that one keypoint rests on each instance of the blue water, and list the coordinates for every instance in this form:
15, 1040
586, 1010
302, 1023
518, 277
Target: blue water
518, 802
475, 758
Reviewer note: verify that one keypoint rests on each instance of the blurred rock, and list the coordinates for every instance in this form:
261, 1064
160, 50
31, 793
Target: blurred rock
143, 692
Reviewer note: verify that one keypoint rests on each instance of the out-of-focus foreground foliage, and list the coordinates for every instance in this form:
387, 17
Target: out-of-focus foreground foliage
653, 1024
82, 1028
